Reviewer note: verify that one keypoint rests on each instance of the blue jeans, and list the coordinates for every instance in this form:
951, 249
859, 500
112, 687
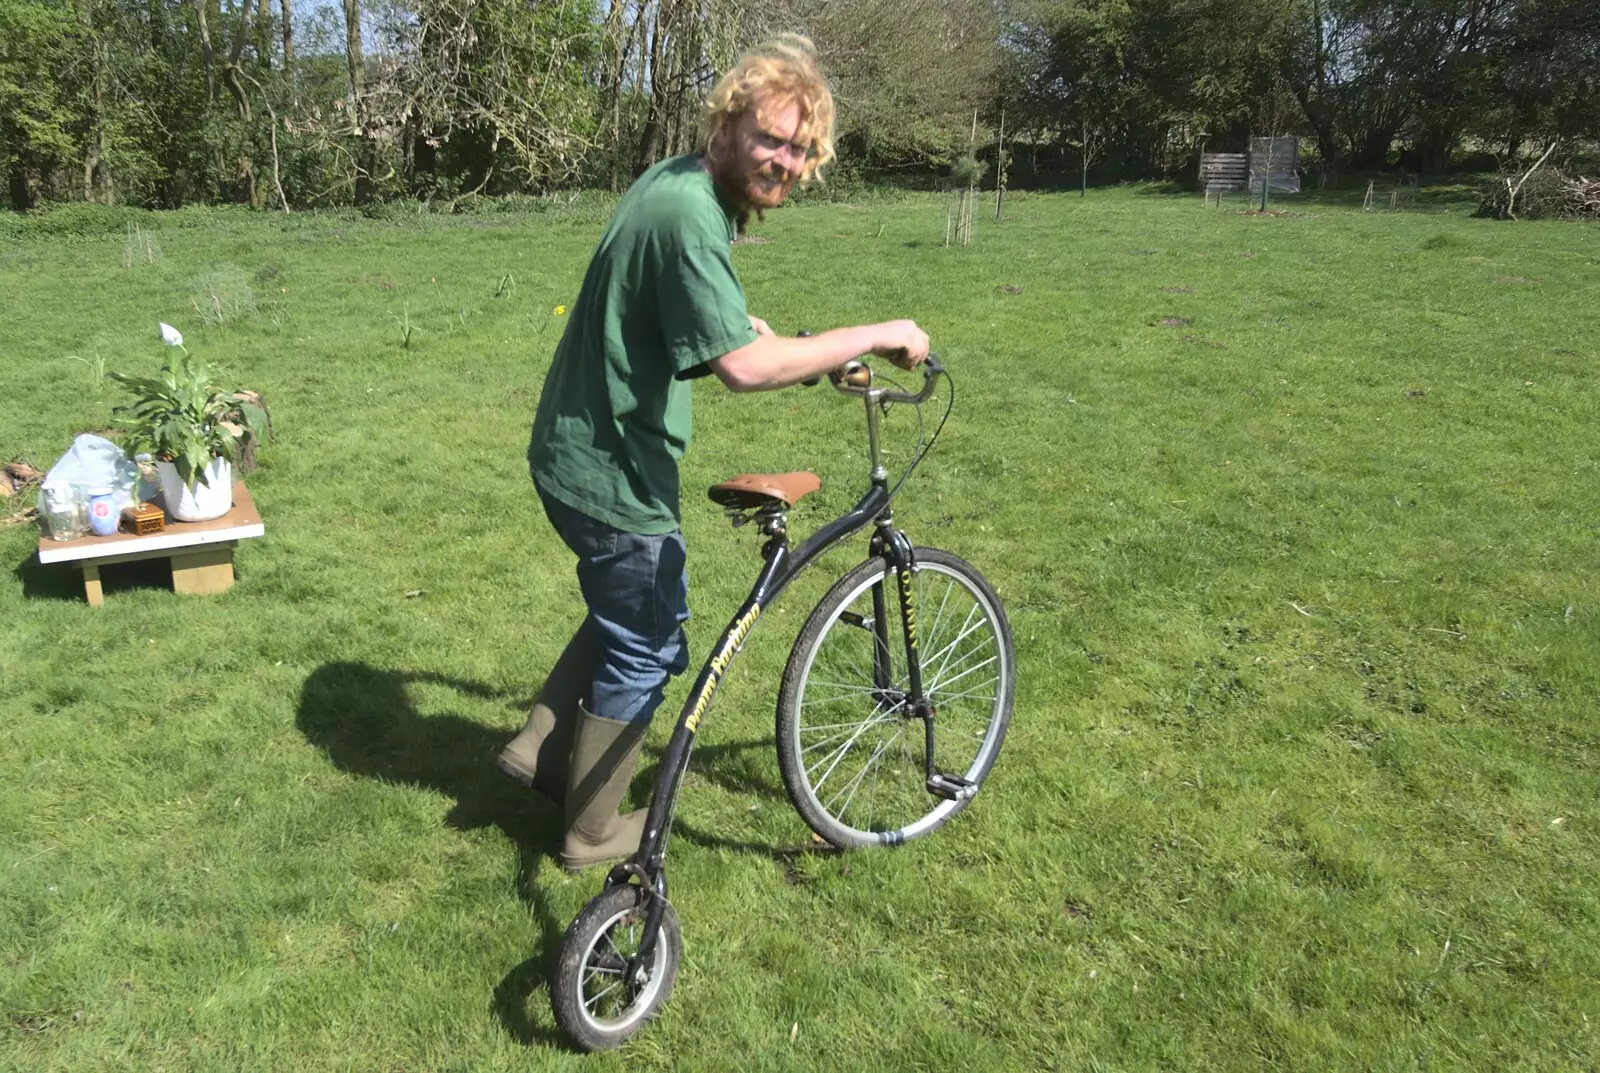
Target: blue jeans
638, 598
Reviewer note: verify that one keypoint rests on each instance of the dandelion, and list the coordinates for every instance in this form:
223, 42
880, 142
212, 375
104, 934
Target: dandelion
170, 335
559, 310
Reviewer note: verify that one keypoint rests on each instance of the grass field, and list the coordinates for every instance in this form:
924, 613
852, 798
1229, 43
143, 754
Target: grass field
1295, 517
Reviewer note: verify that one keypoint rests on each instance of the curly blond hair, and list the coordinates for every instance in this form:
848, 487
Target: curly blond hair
781, 70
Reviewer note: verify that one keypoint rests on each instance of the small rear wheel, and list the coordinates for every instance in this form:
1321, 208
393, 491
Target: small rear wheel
598, 1003
851, 745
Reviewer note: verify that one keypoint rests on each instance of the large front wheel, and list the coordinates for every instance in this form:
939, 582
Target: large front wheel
851, 741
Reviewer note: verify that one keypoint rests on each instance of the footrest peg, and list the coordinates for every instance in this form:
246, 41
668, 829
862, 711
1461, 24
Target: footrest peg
952, 787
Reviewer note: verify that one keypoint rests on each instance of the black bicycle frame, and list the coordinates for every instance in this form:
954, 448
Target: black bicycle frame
781, 567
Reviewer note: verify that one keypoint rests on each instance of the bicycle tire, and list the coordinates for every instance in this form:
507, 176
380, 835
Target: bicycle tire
829, 681
583, 969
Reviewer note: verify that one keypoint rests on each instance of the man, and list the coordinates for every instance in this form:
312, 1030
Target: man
660, 304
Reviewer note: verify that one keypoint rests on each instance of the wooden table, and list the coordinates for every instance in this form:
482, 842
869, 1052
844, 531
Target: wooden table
201, 552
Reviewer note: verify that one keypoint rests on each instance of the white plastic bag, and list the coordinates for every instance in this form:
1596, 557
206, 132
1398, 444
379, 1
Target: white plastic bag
92, 462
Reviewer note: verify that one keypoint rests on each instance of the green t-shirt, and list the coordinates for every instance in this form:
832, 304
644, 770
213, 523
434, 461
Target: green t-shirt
659, 299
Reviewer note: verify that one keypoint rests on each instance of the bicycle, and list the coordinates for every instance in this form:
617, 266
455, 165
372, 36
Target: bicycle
857, 682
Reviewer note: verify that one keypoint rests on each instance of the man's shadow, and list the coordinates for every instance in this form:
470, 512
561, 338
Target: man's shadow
363, 718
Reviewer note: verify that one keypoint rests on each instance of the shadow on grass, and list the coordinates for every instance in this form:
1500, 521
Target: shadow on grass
733, 765
736, 766
64, 581
785, 855
362, 717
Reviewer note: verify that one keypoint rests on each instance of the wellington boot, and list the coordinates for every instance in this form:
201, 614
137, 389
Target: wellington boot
604, 755
537, 757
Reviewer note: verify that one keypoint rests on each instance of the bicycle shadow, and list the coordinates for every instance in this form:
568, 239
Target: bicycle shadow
736, 766
363, 718
785, 855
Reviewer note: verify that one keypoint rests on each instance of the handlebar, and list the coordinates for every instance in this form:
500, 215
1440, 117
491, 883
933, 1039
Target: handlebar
855, 378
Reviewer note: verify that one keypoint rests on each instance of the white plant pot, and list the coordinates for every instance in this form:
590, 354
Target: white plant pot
209, 498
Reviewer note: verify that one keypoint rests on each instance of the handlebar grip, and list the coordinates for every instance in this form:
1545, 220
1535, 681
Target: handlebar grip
932, 369
810, 381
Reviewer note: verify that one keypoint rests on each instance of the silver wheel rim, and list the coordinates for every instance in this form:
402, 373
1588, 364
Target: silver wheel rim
602, 987
852, 744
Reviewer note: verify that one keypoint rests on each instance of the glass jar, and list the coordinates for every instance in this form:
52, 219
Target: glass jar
63, 512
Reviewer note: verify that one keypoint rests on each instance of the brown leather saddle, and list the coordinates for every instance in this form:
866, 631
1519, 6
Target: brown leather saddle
755, 491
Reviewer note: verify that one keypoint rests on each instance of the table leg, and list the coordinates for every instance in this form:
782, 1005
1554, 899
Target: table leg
203, 571
91, 585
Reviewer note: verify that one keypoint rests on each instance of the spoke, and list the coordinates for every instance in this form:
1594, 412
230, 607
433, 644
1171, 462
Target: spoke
848, 704
946, 698
967, 630
855, 784
843, 733
596, 970
933, 632
848, 707
973, 735
594, 1000
848, 687
872, 798
834, 726
963, 674
860, 671
944, 650
839, 754
974, 652
953, 744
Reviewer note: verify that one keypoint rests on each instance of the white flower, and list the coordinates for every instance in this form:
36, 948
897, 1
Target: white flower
171, 336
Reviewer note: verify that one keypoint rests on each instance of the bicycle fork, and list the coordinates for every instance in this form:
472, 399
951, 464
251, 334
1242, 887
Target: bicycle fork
915, 704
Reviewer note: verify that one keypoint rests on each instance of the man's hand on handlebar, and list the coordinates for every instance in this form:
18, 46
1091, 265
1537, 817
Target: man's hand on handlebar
902, 342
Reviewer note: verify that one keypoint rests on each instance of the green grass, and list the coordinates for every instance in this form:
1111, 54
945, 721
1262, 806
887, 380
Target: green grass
1303, 771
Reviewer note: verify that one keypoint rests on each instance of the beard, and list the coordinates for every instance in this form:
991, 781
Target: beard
750, 188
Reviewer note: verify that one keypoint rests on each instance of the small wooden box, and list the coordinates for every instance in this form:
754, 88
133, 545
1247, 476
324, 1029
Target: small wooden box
144, 519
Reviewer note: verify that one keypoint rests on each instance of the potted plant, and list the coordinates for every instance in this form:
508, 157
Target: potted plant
193, 428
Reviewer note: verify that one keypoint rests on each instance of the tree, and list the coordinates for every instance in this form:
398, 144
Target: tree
1073, 83
504, 84
1368, 71
36, 116
907, 77
1131, 83
162, 101
1544, 80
